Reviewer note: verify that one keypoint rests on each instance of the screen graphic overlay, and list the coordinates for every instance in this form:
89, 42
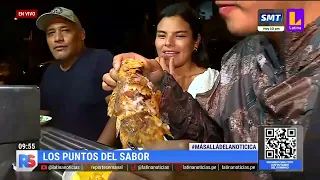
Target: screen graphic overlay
281, 148
295, 20
270, 20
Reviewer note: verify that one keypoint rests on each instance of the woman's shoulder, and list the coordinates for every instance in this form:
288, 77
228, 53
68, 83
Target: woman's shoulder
212, 71
209, 74
203, 82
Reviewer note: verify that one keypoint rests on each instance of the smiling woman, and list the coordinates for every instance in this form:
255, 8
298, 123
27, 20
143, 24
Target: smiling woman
179, 38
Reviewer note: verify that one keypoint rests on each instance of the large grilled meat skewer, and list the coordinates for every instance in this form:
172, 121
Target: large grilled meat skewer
136, 107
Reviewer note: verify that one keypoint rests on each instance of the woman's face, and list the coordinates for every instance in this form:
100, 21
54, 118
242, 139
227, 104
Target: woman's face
174, 39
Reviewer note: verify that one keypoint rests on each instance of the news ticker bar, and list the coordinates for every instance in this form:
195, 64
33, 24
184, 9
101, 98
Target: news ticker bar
148, 167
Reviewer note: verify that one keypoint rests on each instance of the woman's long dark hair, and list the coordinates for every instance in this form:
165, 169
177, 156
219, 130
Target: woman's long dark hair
200, 56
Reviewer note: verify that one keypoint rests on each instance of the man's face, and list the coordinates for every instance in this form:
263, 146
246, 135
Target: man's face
242, 16
64, 38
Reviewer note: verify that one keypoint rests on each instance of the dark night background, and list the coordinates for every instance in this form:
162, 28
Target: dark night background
119, 26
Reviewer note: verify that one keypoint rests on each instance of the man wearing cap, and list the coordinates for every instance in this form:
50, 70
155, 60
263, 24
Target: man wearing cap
71, 88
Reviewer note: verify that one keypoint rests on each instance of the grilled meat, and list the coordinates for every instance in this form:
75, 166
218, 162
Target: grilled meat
136, 107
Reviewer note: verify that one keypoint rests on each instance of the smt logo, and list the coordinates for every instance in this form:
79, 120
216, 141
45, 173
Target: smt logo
270, 20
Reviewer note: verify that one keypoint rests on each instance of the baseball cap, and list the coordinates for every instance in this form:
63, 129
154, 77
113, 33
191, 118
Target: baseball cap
44, 20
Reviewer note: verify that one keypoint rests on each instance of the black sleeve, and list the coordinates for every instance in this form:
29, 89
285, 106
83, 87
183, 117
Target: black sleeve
43, 94
104, 64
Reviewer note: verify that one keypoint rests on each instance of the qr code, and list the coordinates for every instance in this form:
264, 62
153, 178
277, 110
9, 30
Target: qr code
280, 143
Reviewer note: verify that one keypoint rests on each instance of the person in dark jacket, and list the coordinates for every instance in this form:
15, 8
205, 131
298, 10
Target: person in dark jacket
71, 88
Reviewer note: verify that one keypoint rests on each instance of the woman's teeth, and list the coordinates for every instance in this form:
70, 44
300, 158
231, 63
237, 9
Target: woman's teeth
170, 53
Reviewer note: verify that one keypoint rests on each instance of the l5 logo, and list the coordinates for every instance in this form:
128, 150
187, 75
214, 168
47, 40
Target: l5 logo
26, 160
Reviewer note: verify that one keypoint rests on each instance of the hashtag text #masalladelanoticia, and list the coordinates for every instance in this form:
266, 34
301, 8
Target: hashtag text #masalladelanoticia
225, 146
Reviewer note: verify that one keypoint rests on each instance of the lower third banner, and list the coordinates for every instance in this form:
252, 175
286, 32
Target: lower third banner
148, 167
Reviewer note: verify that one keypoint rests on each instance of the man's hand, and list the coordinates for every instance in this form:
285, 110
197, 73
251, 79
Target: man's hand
174, 144
151, 69
108, 99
